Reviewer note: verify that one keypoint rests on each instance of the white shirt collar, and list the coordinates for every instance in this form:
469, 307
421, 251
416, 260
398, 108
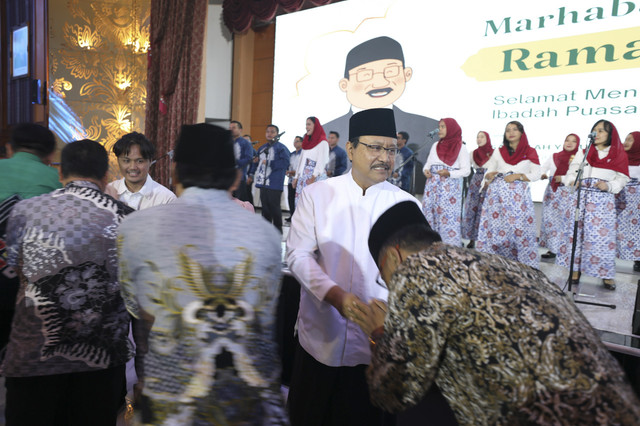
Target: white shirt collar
145, 191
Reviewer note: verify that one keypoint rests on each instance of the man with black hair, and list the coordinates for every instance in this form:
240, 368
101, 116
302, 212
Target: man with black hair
243, 152
401, 176
503, 344
204, 285
338, 162
65, 361
137, 189
326, 252
25, 174
269, 171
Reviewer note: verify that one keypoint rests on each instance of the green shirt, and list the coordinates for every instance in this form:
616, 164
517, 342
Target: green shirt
26, 175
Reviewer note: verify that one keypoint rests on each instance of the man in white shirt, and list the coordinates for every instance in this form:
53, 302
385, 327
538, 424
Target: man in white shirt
327, 253
135, 154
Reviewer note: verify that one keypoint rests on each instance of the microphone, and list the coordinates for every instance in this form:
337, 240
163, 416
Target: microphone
433, 133
277, 138
592, 135
168, 154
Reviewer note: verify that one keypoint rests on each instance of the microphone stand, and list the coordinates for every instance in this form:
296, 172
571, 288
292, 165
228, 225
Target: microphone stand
578, 186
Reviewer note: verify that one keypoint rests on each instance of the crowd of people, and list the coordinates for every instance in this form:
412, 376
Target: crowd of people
125, 287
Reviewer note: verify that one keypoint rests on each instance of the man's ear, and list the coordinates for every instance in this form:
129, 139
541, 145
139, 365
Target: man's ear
343, 83
408, 73
104, 181
350, 149
236, 182
174, 179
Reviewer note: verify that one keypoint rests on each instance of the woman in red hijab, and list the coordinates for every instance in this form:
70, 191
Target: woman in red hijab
507, 222
446, 166
475, 197
556, 204
628, 205
315, 157
605, 173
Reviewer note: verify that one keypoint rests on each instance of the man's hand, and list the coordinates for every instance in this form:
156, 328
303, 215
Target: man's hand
294, 183
344, 301
395, 175
369, 317
249, 180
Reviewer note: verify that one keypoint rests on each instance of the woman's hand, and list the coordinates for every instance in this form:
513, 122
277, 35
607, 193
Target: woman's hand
602, 186
490, 176
543, 177
444, 173
311, 180
512, 177
558, 179
427, 174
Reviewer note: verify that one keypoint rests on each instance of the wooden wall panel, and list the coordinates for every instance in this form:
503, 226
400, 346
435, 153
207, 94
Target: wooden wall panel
262, 98
252, 93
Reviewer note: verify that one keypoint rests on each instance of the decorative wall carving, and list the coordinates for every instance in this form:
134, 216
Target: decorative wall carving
98, 69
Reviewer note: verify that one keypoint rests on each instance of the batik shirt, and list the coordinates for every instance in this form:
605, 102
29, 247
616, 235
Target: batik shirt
209, 276
69, 314
273, 161
503, 344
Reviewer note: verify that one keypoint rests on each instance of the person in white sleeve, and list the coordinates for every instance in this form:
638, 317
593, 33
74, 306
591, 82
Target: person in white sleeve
327, 253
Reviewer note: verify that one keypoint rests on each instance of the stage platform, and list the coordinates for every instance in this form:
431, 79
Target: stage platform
614, 325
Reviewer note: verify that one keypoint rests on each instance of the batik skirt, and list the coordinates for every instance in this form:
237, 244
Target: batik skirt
307, 173
473, 206
628, 218
442, 203
596, 238
507, 223
557, 209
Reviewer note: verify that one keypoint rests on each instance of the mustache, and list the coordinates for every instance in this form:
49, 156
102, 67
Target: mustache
381, 164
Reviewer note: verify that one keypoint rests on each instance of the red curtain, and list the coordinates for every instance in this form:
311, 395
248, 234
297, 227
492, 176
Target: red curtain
239, 15
173, 77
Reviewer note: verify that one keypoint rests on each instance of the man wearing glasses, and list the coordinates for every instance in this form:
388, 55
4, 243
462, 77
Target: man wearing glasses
327, 253
375, 76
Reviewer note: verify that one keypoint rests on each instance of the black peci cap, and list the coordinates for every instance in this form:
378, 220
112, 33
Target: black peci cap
401, 215
205, 145
373, 50
373, 122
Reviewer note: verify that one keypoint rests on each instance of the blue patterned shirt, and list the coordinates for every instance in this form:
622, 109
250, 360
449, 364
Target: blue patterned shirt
69, 314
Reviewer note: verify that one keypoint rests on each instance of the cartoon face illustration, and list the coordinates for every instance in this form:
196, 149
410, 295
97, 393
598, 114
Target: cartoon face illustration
375, 74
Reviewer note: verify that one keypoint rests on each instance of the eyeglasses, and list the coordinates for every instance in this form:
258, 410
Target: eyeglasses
378, 149
367, 74
380, 281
